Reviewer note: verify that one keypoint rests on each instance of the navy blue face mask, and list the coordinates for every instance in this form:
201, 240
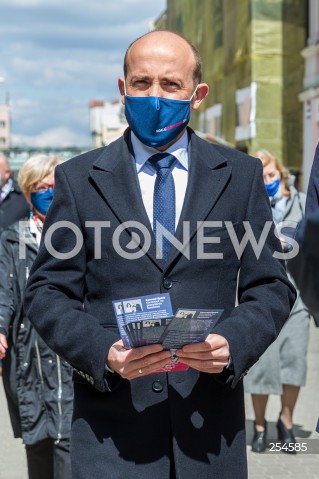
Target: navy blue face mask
157, 121
41, 200
273, 187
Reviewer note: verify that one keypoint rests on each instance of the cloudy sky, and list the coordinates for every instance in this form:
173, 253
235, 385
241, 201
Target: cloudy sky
56, 55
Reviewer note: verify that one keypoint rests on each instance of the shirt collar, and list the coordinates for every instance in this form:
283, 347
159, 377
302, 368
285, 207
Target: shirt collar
143, 152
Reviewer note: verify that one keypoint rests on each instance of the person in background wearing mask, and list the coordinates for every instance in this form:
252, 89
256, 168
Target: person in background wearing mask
13, 205
37, 382
130, 420
282, 368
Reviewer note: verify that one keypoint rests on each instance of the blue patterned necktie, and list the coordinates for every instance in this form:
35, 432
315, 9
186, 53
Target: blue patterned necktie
164, 197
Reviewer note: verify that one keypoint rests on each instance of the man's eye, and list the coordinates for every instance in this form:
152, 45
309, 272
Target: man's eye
140, 82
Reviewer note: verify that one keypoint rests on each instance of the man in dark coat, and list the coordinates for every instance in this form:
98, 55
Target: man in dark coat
129, 419
13, 205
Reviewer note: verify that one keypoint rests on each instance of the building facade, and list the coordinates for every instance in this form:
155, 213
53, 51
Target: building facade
107, 121
310, 94
4, 127
252, 63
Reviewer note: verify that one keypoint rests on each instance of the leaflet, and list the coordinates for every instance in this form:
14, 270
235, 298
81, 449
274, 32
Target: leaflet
151, 309
189, 326
146, 320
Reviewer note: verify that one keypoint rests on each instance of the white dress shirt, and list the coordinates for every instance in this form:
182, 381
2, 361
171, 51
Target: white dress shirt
147, 175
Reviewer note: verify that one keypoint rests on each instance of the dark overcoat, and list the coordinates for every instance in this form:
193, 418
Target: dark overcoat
312, 202
132, 429
13, 208
304, 267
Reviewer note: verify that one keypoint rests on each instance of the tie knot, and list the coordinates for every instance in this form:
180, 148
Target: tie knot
162, 160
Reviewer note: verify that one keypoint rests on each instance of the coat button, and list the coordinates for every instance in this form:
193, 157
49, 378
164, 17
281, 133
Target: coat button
157, 386
167, 283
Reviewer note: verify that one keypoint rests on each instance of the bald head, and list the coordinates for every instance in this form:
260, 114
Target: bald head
162, 38
163, 64
5, 172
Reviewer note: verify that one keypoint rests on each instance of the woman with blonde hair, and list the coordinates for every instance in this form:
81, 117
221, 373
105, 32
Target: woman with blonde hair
282, 369
37, 382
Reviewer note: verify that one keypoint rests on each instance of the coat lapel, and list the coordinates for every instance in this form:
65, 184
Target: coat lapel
209, 173
114, 174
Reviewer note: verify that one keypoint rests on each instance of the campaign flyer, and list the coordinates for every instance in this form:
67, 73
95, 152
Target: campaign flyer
189, 326
142, 308
146, 320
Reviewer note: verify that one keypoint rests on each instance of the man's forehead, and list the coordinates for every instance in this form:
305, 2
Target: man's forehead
160, 42
166, 59
162, 37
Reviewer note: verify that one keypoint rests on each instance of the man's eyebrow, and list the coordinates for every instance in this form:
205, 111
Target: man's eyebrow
169, 78
139, 77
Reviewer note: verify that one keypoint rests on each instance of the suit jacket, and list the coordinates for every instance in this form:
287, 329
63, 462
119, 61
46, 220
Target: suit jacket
131, 428
313, 188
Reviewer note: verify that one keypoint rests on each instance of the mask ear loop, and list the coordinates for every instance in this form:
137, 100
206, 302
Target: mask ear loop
193, 93
125, 94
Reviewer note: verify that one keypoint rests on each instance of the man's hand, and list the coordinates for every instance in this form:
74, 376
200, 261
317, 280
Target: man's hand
210, 356
137, 362
3, 345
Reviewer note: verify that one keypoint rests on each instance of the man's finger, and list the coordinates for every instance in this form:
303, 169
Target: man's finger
150, 368
212, 342
220, 354
144, 351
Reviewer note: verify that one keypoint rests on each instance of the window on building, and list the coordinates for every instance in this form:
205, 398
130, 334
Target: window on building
2, 124
211, 120
246, 113
2, 140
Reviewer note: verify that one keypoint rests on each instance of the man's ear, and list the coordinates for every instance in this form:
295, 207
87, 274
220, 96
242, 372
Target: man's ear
120, 83
200, 94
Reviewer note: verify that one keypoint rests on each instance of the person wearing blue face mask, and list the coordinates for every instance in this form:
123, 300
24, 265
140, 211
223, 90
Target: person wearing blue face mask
132, 418
37, 383
157, 121
42, 199
282, 369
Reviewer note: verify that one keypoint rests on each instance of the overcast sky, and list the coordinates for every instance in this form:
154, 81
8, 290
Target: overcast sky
56, 55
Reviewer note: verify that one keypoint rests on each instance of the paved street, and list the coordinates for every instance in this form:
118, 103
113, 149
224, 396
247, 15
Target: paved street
283, 465
12, 455
261, 466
